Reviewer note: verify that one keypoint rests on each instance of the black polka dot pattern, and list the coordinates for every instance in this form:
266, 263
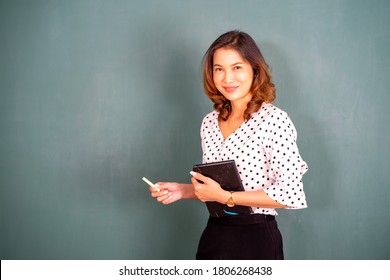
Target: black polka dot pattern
266, 154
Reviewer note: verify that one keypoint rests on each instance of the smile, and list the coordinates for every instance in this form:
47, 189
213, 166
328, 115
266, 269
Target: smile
230, 89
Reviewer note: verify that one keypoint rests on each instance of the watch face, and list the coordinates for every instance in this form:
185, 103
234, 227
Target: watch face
230, 202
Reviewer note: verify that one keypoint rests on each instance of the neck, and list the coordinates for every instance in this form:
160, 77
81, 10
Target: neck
239, 106
238, 109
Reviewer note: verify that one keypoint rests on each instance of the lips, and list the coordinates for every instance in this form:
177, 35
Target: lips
230, 89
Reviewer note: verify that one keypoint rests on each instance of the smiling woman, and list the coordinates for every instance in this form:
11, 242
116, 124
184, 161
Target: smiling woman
232, 76
241, 50
260, 138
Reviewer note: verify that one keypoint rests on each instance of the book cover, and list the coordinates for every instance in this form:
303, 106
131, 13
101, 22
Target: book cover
226, 174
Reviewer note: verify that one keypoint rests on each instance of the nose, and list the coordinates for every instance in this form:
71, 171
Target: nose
228, 77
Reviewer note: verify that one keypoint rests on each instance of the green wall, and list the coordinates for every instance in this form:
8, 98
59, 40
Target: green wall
96, 94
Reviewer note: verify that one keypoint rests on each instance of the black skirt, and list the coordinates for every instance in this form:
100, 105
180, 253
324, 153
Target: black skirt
241, 237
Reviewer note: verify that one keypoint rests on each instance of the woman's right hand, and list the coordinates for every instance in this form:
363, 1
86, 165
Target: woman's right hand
169, 192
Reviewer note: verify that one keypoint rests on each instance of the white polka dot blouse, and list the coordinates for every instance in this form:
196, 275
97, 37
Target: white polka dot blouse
266, 154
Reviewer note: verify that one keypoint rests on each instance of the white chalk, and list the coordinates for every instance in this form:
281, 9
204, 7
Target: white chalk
150, 184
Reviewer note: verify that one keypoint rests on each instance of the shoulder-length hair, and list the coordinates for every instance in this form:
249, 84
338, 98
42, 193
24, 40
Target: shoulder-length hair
263, 90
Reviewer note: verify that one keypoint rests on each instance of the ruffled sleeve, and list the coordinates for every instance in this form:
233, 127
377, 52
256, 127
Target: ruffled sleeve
286, 167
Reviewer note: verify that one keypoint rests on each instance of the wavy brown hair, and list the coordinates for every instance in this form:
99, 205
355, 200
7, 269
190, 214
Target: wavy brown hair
263, 90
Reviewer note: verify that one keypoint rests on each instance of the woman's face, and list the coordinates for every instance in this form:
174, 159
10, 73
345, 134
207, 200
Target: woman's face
232, 75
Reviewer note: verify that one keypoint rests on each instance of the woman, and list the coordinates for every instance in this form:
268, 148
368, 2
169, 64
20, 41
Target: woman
260, 137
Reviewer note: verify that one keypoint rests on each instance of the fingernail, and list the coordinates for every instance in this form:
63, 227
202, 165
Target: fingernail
166, 192
192, 173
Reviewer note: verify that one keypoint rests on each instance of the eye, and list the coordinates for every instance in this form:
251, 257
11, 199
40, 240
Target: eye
218, 69
237, 67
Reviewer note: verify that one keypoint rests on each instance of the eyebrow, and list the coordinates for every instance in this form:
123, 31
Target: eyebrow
234, 64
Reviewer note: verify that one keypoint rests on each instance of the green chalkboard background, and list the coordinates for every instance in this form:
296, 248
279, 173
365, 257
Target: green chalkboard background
96, 94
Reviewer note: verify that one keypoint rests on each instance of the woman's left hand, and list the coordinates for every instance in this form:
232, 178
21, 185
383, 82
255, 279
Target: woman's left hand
210, 190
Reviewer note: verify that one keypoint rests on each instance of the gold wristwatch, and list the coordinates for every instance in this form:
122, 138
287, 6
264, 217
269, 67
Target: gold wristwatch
230, 201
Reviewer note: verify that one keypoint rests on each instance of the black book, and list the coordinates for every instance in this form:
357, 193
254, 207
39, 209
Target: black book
226, 174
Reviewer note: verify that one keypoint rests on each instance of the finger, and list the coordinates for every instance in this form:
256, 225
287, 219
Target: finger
152, 190
163, 197
168, 200
159, 194
196, 184
199, 176
159, 187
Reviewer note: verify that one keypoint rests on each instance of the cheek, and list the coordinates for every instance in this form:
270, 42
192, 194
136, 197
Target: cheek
216, 77
247, 82
245, 77
217, 80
